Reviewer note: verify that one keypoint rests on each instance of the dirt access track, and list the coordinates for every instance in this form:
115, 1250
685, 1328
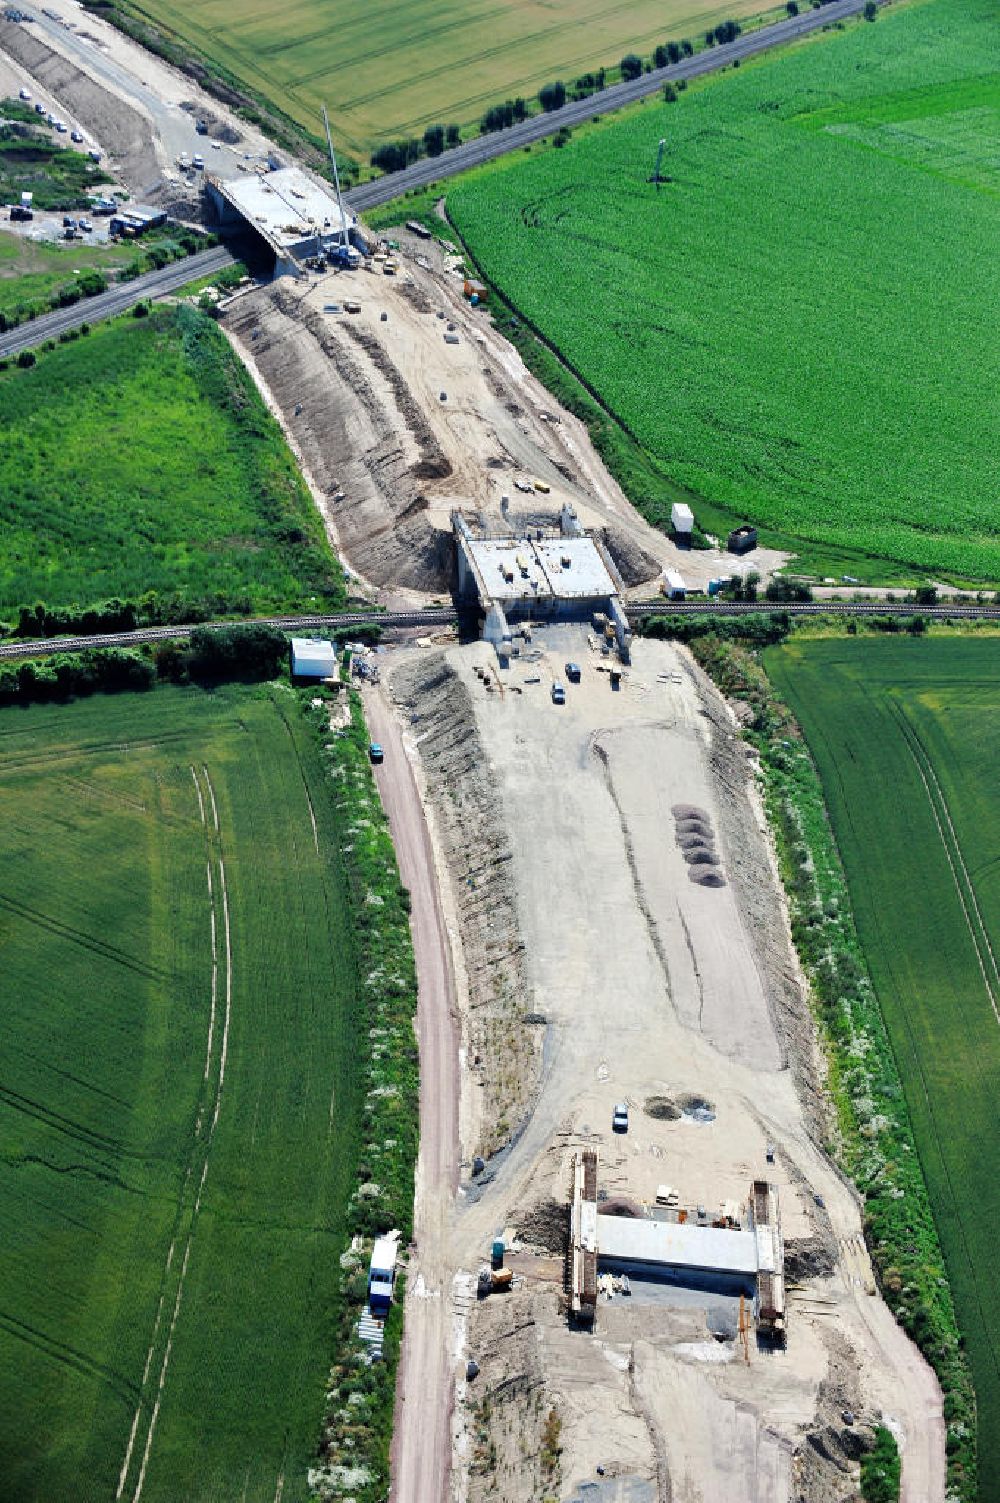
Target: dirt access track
396, 425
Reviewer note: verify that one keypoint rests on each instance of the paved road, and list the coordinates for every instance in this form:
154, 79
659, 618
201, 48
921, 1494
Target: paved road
120, 298
446, 616
484, 148
77, 33
421, 1440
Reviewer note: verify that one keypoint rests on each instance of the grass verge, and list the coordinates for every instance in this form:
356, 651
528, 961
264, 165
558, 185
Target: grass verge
357, 1430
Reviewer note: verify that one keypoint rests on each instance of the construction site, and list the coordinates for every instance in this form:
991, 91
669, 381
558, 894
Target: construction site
636, 1274
678, 1272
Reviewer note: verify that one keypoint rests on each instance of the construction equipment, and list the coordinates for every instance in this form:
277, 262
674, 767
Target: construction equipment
344, 254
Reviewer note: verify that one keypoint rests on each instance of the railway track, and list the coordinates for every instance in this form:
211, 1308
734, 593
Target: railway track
117, 299
448, 616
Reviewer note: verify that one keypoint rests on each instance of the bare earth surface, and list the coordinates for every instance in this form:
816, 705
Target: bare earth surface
396, 426
653, 986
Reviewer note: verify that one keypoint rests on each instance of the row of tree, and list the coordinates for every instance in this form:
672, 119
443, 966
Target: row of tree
247, 653
393, 156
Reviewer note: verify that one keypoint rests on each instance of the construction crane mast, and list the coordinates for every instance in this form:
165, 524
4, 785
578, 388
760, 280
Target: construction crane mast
346, 255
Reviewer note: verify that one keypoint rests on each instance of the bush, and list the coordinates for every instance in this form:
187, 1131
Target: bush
631, 66
227, 652
26, 359
503, 115
880, 1469
552, 96
785, 590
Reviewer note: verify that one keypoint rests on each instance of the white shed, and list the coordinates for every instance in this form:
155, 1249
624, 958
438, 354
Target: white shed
382, 1272
313, 658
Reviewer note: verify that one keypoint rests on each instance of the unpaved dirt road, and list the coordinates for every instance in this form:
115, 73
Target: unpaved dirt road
421, 1447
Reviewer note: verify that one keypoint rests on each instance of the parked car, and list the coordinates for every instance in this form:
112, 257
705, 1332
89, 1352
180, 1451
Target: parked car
26, 96
558, 694
69, 223
573, 672
76, 136
85, 225
375, 753
619, 1117
61, 127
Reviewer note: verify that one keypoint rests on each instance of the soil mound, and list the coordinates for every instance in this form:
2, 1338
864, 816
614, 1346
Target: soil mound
545, 1225
620, 1205
706, 876
695, 843
634, 564
690, 811
362, 437
662, 1108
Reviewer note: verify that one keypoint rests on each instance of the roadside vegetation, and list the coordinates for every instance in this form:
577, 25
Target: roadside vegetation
164, 487
31, 162
357, 1429
809, 383
126, 1031
36, 277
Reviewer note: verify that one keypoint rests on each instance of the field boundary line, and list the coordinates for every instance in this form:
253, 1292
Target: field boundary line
959, 854
201, 1141
909, 736
223, 1053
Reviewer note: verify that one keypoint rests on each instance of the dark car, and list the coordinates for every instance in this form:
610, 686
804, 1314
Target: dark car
573, 672
375, 753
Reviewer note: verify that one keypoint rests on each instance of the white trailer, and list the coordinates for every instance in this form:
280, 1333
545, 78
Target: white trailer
681, 518
673, 585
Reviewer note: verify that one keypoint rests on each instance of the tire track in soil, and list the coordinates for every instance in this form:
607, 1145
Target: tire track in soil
218, 897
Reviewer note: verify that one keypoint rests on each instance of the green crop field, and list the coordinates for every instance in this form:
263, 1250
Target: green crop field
142, 458
390, 70
904, 734
178, 1097
801, 326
